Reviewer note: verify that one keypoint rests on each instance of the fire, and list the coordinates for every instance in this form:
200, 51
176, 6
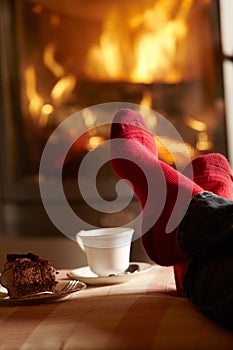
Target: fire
144, 48
50, 61
95, 141
149, 44
104, 60
203, 141
40, 109
176, 151
196, 124
147, 99
63, 88
35, 100
89, 118
150, 117
66, 83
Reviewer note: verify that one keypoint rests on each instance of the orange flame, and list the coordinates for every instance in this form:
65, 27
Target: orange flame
145, 48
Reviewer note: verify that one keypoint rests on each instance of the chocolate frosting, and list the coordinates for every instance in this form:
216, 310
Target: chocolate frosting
13, 257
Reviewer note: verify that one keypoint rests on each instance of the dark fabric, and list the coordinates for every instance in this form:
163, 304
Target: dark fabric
208, 284
206, 232
207, 228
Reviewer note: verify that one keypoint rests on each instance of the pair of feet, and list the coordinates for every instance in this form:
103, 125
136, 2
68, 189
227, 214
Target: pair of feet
163, 192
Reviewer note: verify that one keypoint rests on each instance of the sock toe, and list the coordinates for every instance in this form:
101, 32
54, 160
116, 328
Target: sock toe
213, 161
129, 124
212, 172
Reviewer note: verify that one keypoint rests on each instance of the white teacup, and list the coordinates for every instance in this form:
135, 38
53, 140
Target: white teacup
107, 249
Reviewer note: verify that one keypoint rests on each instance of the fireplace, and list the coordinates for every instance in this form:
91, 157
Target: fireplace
59, 57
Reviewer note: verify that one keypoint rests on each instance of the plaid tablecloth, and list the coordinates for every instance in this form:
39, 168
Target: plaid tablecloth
145, 313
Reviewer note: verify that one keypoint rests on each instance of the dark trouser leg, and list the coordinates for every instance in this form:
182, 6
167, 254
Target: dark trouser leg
206, 233
208, 284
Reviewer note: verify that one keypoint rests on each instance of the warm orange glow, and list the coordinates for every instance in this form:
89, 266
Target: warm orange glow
145, 47
35, 100
175, 154
63, 88
88, 117
147, 99
94, 142
195, 124
105, 59
46, 111
39, 110
151, 44
55, 20
51, 63
203, 143
37, 9
149, 115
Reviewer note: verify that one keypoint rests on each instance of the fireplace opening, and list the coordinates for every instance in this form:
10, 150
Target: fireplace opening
59, 58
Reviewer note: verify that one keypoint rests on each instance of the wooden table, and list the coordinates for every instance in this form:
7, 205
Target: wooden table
145, 313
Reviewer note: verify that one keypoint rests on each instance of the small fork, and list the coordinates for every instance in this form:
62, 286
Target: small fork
66, 289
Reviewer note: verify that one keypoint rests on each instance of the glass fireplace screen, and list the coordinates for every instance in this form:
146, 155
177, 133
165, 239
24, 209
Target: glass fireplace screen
59, 57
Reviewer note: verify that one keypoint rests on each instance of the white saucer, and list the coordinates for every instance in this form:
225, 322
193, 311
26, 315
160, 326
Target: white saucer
87, 276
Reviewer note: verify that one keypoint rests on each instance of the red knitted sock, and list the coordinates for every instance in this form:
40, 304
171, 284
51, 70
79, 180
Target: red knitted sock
213, 173
159, 187
133, 127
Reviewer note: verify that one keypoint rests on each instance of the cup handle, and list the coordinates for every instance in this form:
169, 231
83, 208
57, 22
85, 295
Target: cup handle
79, 241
